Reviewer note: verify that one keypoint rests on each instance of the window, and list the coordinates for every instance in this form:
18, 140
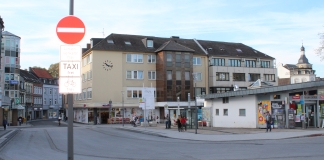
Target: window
88, 75
84, 94
241, 112
169, 59
169, 75
135, 93
50, 101
55, 101
197, 76
178, 75
234, 63
225, 99
134, 58
225, 112
187, 76
44, 100
217, 112
196, 61
149, 43
239, 50
89, 93
238, 76
221, 76
127, 43
151, 75
253, 77
269, 77
276, 96
45, 90
250, 63
218, 62
110, 41
50, 91
151, 58
265, 64
134, 74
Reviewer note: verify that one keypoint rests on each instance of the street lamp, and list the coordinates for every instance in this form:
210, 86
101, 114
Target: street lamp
123, 107
194, 78
110, 108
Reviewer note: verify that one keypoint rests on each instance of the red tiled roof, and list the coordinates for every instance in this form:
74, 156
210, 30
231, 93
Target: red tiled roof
41, 73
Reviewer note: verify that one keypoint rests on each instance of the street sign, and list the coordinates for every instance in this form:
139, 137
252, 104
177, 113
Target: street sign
70, 30
70, 53
70, 85
70, 69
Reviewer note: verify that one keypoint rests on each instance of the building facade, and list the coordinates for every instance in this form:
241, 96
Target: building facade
10, 64
47, 99
118, 67
296, 73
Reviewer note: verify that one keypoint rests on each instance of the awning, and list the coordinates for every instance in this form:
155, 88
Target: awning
18, 107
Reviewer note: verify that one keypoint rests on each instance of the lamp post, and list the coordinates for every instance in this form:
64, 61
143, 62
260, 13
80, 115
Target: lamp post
178, 99
194, 78
123, 107
110, 107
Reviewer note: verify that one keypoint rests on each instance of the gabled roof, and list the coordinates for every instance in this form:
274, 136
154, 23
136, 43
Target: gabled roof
290, 66
28, 76
214, 48
227, 49
41, 73
174, 46
6, 33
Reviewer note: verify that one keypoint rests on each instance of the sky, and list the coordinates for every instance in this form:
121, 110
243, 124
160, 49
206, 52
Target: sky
275, 27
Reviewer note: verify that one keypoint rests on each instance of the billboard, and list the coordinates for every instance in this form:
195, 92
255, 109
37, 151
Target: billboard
148, 96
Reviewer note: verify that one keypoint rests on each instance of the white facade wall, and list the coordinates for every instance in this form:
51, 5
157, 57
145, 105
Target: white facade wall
282, 71
233, 120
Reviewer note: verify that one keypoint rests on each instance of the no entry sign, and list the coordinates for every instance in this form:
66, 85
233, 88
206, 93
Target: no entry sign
70, 30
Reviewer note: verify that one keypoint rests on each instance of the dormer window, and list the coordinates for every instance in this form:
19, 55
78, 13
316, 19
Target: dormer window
149, 43
110, 41
127, 43
239, 50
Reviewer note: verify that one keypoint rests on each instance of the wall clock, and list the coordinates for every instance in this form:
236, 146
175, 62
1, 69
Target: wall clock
107, 65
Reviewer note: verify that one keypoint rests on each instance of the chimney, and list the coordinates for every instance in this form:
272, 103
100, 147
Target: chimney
88, 45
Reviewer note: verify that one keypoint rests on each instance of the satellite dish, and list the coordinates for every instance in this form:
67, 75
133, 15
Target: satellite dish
236, 87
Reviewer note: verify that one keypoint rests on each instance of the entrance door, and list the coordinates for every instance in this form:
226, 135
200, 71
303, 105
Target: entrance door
310, 114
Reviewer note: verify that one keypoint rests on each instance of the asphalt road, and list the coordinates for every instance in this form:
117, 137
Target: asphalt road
47, 140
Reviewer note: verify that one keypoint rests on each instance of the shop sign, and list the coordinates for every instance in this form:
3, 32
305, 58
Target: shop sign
310, 97
295, 97
13, 82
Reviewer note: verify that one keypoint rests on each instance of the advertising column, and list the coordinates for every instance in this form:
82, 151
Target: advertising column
278, 113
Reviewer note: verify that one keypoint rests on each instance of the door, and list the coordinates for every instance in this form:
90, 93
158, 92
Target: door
310, 114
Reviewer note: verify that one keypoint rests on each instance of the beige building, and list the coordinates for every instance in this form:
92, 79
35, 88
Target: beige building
116, 69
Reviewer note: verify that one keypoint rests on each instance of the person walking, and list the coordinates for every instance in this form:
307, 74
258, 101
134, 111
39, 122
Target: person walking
179, 124
59, 120
167, 122
19, 120
268, 121
4, 123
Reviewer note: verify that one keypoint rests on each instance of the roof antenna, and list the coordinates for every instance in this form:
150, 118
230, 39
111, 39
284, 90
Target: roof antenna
103, 32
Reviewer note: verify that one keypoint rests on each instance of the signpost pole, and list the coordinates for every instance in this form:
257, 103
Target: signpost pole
70, 112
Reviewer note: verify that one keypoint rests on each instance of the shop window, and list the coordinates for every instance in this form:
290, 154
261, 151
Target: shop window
276, 96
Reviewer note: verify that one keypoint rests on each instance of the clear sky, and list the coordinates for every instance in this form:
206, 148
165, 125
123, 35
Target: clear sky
275, 27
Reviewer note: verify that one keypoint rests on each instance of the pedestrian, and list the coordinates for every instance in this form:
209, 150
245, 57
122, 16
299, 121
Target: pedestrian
4, 123
184, 123
167, 122
268, 121
179, 124
98, 120
19, 120
59, 120
157, 119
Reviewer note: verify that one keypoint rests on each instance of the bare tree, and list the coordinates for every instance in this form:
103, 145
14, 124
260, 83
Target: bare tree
320, 50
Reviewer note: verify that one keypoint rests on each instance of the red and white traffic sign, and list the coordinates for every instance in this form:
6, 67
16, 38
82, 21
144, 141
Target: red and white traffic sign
70, 30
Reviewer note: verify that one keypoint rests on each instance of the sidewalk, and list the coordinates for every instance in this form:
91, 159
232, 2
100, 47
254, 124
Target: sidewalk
225, 134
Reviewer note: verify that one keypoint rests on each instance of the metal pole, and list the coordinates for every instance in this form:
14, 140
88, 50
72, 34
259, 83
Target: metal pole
189, 110
303, 113
123, 107
196, 108
145, 113
178, 105
70, 112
